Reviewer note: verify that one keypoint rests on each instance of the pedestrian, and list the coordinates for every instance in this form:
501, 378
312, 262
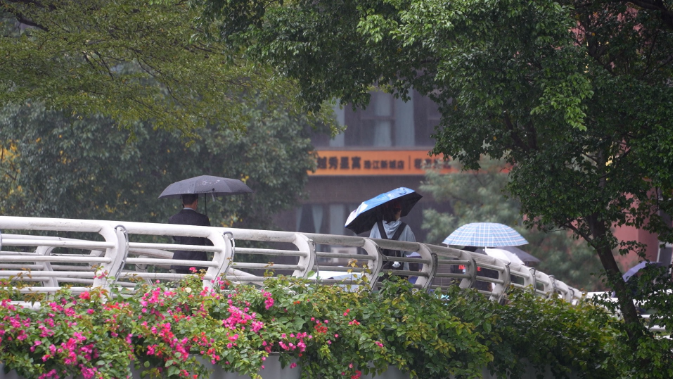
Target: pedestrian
189, 216
390, 227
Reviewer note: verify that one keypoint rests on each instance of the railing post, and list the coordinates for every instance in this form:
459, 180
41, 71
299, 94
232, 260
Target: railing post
531, 280
470, 269
552, 284
433, 271
304, 243
117, 254
500, 290
425, 268
224, 256
46, 266
373, 251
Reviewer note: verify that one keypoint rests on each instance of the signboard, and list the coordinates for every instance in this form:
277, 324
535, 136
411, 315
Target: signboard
377, 162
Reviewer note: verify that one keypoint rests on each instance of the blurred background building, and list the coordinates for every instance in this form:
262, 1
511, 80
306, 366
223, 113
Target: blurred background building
385, 146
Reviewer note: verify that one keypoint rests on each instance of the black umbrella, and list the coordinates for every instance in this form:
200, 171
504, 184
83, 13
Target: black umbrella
528, 259
205, 184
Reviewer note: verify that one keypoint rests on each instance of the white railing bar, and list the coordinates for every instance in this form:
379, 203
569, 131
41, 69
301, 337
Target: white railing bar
168, 246
171, 262
489, 266
247, 278
490, 280
266, 266
51, 289
71, 268
344, 256
451, 275
261, 235
338, 268
397, 245
156, 275
156, 253
46, 274
274, 252
336, 281
4, 252
453, 262
56, 258
407, 273
54, 243
236, 273
19, 266
406, 259
329, 239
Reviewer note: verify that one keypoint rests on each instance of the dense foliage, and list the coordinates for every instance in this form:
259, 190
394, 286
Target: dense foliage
57, 165
479, 196
129, 60
328, 331
576, 95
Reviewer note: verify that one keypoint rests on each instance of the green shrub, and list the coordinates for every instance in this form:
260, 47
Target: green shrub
330, 331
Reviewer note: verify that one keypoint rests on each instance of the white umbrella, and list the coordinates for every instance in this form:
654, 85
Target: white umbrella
504, 255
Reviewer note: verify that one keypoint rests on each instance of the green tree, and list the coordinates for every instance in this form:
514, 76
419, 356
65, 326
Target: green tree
128, 60
57, 165
478, 196
576, 95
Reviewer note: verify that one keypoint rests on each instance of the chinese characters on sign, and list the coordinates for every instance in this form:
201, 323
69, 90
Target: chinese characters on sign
408, 162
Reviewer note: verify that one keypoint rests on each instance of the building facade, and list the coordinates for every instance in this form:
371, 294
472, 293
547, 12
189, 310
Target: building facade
385, 146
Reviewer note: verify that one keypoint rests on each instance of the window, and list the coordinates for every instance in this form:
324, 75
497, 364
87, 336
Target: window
386, 122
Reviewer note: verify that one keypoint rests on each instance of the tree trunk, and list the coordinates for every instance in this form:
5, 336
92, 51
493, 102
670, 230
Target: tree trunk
624, 297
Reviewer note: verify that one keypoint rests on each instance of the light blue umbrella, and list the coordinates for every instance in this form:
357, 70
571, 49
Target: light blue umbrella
485, 234
367, 214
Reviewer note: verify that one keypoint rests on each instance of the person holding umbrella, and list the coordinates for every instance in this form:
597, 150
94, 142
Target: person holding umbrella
189, 216
188, 190
381, 215
389, 226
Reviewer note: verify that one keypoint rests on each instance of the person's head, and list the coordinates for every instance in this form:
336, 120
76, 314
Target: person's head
392, 211
190, 201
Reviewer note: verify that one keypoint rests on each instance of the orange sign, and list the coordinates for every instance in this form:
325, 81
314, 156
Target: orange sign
377, 162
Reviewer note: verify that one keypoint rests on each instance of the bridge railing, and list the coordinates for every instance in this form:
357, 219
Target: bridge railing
120, 253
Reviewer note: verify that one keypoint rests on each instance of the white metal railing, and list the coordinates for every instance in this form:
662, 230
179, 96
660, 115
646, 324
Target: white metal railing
109, 256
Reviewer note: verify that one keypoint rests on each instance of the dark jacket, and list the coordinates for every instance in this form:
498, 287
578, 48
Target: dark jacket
190, 217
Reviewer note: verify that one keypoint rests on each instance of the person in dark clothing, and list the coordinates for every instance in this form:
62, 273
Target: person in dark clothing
189, 216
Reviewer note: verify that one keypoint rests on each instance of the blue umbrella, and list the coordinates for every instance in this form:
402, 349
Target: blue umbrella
485, 234
366, 215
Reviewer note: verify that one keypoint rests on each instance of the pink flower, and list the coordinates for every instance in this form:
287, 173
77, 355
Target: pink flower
85, 296
336, 336
90, 311
293, 365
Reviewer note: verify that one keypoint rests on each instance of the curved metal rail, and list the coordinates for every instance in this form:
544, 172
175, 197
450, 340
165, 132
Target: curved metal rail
112, 254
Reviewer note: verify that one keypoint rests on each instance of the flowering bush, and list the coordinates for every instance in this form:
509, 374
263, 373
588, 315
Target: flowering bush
170, 330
